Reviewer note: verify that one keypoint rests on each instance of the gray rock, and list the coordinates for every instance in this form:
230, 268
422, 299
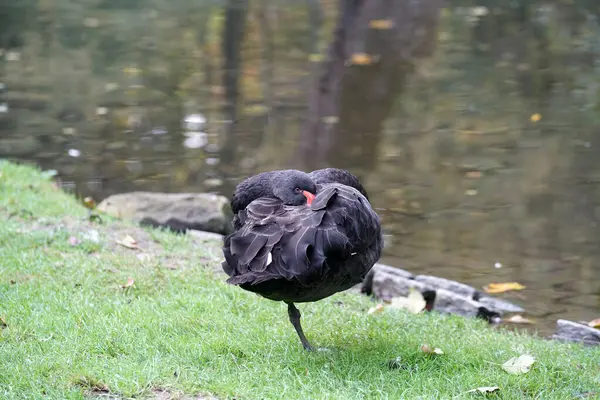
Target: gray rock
453, 303
574, 332
13, 147
499, 305
367, 284
387, 285
392, 270
435, 283
177, 211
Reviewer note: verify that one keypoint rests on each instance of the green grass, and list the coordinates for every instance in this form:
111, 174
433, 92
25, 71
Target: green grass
73, 331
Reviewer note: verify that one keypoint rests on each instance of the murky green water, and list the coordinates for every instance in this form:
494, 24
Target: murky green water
486, 170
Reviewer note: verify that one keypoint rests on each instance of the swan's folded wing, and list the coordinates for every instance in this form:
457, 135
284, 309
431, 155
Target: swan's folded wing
304, 243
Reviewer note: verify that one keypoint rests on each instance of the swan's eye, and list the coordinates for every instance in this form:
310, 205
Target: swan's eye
297, 190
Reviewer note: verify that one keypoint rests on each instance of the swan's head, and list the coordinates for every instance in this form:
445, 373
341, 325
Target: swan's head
294, 188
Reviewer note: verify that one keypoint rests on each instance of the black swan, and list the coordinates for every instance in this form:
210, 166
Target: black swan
301, 237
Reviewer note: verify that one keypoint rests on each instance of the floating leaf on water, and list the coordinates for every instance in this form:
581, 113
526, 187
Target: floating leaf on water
376, 310
101, 111
415, 303
128, 242
381, 24
316, 57
473, 174
194, 122
361, 59
471, 192
425, 348
503, 287
595, 323
519, 365
518, 319
12, 56
332, 119
74, 153
255, 109
132, 71
484, 389
91, 22
535, 117
130, 283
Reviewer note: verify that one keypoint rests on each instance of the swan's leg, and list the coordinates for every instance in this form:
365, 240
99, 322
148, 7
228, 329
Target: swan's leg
294, 315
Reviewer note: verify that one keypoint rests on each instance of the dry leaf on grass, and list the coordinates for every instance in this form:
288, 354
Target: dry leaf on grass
89, 202
128, 242
376, 310
415, 303
518, 319
595, 323
519, 365
3, 323
130, 283
484, 389
425, 348
503, 287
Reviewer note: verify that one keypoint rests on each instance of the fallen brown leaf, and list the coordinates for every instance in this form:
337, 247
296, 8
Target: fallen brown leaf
128, 242
3, 323
89, 202
130, 283
503, 287
519, 365
376, 310
425, 348
595, 323
381, 24
484, 389
518, 319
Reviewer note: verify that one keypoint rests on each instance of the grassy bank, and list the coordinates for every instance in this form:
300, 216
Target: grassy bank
70, 329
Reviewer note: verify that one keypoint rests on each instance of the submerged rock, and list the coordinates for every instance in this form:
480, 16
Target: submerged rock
177, 211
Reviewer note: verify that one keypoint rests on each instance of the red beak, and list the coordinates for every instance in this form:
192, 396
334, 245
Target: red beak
309, 197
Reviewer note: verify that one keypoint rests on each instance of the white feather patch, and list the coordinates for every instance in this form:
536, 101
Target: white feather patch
269, 259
